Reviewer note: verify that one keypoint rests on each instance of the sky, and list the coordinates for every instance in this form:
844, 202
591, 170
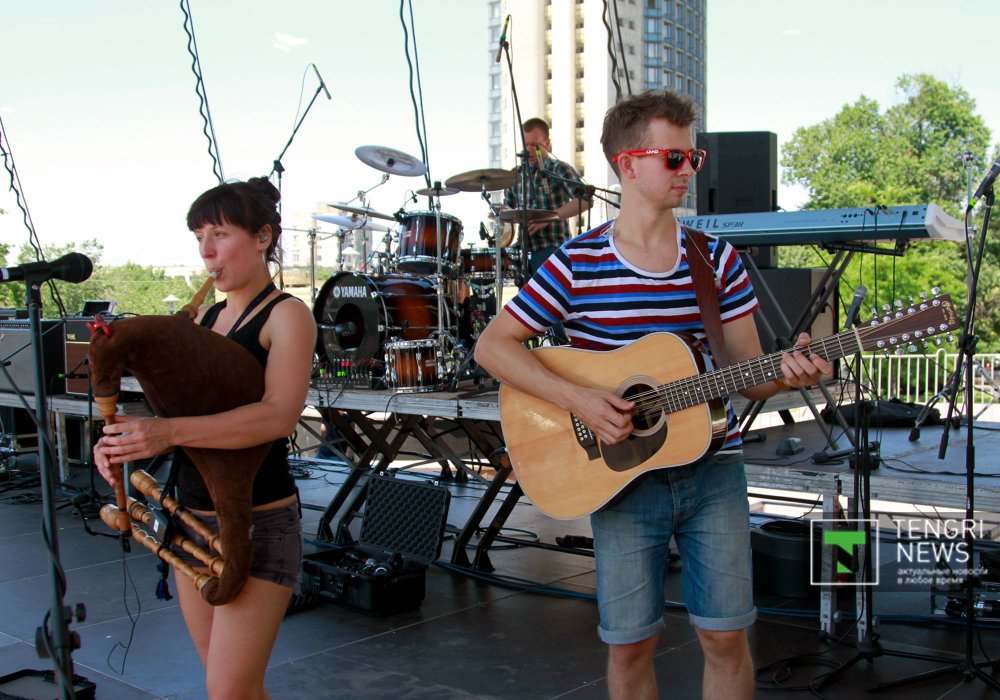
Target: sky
100, 112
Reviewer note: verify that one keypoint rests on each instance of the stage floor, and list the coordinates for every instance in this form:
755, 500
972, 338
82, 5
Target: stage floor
471, 638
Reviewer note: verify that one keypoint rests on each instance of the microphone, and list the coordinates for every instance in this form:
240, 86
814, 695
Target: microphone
482, 231
72, 267
852, 313
503, 38
349, 328
321, 83
986, 183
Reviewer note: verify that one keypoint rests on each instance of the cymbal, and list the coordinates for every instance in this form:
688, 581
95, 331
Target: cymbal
389, 160
437, 191
363, 211
527, 216
488, 179
348, 222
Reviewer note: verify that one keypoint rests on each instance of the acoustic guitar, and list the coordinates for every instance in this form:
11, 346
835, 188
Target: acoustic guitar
679, 415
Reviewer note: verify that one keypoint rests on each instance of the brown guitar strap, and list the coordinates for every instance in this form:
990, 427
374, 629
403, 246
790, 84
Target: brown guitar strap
706, 286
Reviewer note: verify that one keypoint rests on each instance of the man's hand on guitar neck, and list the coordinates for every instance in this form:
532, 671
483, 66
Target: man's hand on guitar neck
803, 369
607, 414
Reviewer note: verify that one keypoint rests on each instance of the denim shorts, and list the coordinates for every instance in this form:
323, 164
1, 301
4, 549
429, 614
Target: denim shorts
277, 544
704, 507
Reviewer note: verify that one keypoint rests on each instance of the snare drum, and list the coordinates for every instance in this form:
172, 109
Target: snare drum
418, 250
358, 315
480, 263
411, 366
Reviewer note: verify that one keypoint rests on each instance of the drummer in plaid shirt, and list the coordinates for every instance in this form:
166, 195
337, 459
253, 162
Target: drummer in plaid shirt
544, 237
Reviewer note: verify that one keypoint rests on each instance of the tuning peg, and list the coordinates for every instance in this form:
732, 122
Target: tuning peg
935, 290
899, 350
950, 337
938, 342
922, 295
912, 348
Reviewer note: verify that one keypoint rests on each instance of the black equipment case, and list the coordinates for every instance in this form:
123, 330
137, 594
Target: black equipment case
385, 571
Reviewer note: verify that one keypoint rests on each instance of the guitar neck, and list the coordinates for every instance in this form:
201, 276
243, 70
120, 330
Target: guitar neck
916, 323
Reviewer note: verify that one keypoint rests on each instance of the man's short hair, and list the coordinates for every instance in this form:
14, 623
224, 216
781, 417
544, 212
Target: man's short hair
625, 123
536, 123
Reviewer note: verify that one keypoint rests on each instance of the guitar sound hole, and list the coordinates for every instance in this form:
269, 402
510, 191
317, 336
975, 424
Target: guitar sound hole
642, 420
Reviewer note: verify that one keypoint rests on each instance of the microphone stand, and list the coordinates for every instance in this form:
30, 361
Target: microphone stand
967, 665
59, 643
865, 458
279, 168
522, 168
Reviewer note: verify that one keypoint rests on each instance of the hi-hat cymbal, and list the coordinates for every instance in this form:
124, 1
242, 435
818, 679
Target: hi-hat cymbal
348, 222
389, 160
437, 191
363, 211
527, 216
488, 179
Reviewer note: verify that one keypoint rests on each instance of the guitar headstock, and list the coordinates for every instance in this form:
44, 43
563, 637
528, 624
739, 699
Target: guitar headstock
900, 328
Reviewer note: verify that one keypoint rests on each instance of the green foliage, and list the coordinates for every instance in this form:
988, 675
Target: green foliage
137, 289
913, 153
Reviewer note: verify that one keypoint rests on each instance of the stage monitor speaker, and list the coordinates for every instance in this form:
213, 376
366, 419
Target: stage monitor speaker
792, 288
15, 348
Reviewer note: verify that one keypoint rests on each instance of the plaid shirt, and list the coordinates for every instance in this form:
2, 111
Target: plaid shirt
545, 193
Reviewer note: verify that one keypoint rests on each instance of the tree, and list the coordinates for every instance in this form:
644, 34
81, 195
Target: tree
136, 289
913, 153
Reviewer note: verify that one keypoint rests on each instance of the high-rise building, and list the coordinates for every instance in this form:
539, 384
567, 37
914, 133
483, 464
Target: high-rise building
565, 72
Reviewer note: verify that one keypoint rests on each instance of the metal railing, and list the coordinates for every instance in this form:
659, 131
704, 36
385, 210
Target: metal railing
918, 378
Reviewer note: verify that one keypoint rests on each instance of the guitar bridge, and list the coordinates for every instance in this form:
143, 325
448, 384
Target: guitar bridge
585, 436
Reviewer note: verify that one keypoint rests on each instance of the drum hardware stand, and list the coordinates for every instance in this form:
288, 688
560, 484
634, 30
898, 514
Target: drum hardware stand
439, 289
967, 666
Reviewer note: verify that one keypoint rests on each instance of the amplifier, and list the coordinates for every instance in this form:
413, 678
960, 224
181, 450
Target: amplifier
77, 346
77, 368
18, 357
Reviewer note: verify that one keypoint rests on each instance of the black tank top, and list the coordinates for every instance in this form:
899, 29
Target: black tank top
274, 480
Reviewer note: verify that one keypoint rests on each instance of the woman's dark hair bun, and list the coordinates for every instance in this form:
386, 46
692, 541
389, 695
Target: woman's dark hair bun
265, 188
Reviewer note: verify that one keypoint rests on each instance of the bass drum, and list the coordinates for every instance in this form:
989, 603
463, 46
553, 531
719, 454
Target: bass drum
357, 314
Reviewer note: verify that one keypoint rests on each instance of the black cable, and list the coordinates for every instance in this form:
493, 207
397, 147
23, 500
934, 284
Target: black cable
611, 52
22, 204
413, 97
621, 47
206, 115
133, 619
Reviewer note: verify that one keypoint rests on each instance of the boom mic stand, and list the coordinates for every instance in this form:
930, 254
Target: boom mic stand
59, 643
967, 665
522, 199
865, 458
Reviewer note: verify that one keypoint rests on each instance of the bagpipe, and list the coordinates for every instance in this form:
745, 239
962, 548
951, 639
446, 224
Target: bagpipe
185, 369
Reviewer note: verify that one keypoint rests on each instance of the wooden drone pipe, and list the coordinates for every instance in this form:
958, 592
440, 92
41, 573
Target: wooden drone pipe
147, 486
190, 309
141, 513
109, 515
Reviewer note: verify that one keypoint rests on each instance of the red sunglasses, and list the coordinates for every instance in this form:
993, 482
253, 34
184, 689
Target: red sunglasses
673, 158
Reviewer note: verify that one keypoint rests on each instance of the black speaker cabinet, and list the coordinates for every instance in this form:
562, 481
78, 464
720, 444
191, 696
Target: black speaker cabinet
792, 288
740, 174
18, 356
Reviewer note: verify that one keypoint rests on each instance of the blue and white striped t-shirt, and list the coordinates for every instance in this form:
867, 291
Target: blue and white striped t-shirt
605, 302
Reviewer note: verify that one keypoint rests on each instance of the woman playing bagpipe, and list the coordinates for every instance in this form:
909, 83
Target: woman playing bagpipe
237, 227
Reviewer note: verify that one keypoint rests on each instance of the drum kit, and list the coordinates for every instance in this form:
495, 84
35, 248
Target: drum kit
409, 318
